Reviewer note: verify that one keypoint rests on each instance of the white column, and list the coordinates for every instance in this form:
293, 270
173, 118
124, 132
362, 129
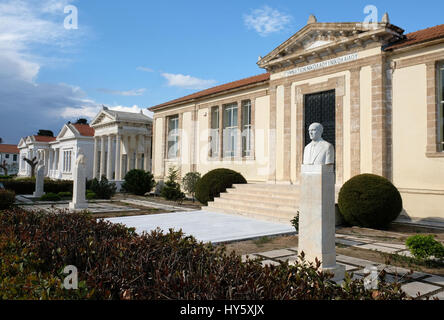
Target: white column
51, 163
129, 156
137, 160
118, 161
96, 156
146, 147
102, 157
109, 166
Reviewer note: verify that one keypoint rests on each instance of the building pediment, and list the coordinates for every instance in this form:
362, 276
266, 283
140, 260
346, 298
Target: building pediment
103, 117
67, 132
318, 41
22, 143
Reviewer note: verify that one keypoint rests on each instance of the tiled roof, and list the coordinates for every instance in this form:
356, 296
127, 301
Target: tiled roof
44, 138
84, 129
9, 148
227, 86
420, 36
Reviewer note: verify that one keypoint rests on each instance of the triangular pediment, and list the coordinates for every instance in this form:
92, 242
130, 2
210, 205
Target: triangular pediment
103, 117
318, 40
67, 132
22, 143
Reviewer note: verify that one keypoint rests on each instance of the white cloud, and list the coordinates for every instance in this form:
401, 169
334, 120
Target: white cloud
145, 69
128, 93
90, 110
266, 20
187, 82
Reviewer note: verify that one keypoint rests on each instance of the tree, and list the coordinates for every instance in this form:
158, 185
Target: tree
189, 182
81, 121
4, 166
33, 163
46, 133
1, 140
171, 189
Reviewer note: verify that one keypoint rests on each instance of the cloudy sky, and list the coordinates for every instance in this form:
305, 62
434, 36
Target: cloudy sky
130, 55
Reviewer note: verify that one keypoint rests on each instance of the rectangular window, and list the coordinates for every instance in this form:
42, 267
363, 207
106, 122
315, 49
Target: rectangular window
214, 135
173, 137
7, 155
246, 128
14, 158
230, 129
67, 161
441, 103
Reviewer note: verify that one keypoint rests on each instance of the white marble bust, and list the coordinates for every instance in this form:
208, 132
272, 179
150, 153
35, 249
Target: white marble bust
318, 151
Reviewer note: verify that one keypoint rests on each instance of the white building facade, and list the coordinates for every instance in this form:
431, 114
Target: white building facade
122, 142
9, 155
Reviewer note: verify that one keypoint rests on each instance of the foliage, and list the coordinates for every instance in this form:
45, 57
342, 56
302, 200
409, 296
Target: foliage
90, 195
7, 198
27, 185
32, 163
64, 194
46, 133
189, 182
216, 181
138, 182
171, 189
81, 121
368, 200
5, 167
424, 247
115, 263
50, 196
103, 189
295, 222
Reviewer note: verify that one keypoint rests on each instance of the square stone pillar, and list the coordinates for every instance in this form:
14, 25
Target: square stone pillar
118, 161
317, 218
102, 157
109, 159
96, 156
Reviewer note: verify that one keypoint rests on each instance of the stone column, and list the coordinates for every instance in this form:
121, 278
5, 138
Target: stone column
109, 160
102, 157
238, 151
272, 137
317, 218
287, 133
147, 148
137, 160
118, 160
96, 156
51, 163
129, 156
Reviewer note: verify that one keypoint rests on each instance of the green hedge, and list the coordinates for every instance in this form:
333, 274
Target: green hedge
115, 263
368, 200
7, 199
138, 182
27, 185
216, 181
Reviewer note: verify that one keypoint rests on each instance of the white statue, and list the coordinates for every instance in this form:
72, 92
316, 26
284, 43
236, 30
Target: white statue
39, 179
318, 151
79, 183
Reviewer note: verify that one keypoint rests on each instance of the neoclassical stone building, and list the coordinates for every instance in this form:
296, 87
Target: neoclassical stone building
122, 141
377, 91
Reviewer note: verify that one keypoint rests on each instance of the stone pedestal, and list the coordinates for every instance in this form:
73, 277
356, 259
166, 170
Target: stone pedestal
39, 181
317, 218
79, 185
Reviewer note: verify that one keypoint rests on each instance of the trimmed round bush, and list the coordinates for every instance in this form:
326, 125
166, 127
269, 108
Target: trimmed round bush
370, 201
216, 181
50, 196
138, 182
7, 198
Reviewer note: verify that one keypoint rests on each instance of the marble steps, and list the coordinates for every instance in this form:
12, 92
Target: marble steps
270, 202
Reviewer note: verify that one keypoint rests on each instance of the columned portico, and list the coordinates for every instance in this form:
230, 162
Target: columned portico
125, 139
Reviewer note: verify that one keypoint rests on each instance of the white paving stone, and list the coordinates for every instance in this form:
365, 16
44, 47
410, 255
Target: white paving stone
391, 245
413, 288
206, 226
405, 253
439, 295
378, 248
276, 253
348, 242
270, 262
436, 280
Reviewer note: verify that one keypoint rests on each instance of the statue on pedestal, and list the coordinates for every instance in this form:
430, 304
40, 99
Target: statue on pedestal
79, 183
39, 179
318, 151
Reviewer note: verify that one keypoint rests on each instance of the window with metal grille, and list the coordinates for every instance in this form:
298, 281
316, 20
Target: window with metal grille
230, 129
246, 128
173, 137
214, 134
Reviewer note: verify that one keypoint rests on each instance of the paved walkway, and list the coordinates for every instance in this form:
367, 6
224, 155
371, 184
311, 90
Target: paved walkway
428, 285
206, 226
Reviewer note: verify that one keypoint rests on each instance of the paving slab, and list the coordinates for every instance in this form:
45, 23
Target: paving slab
270, 262
348, 242
276, 253
391, 245
354, 261
439, 295
405, 253
377, 248
289, 259
435, 280
413, 288
94, 207
206, 226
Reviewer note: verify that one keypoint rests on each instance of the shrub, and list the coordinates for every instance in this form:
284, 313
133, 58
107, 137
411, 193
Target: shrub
50, 196
189, 182
368, 200
295, 222
103, 189
7, 198
90, 195
64, 194
171, 189
216, 181
424, 247
27, 185
138, 182
115, 263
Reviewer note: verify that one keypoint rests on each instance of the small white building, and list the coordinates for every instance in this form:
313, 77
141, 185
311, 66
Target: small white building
9, 154
122, 142
58, 153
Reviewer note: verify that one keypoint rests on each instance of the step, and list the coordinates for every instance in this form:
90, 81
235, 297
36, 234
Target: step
287, 188
256, 208
248, 214
264, 202
275, 198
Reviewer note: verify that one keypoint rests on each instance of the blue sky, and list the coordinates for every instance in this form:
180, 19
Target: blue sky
134, 54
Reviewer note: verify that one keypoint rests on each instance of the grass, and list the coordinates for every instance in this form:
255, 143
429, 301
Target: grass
261, 241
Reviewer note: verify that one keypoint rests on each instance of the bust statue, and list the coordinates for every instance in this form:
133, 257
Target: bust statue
80, 157
318, 151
